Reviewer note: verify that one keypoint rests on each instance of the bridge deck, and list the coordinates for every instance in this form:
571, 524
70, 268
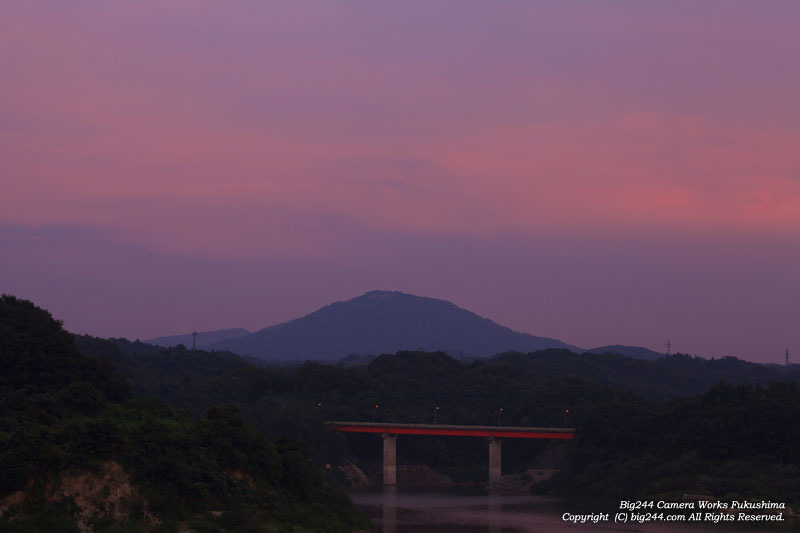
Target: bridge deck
456, 431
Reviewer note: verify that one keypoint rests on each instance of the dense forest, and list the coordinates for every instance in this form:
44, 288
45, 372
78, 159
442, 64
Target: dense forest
212, 441
676, 425
734, 442
67, 418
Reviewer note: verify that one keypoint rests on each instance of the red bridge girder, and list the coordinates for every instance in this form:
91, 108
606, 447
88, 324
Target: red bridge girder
456, 431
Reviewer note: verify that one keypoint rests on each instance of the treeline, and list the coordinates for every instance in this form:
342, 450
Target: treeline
733, 442
406, 387
63, 412
676, 376
617, 404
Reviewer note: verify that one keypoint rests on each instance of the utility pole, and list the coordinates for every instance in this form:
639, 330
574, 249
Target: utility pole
669, 347
194, 339
787, 356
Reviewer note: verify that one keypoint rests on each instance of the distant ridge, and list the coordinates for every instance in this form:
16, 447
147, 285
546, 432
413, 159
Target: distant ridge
204, 338
384, 322
636, 352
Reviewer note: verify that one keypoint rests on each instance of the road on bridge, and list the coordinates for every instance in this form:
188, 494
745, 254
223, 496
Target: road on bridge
389, 432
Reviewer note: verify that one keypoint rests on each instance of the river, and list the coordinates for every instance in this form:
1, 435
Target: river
450, 511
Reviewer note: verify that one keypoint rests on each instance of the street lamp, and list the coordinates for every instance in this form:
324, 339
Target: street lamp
373, 412
436, 415
499, 412
566, 412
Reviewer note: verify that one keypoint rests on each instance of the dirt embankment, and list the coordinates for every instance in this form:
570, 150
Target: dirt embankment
106, 493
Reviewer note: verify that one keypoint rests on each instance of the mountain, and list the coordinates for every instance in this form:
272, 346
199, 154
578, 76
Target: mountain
635, 352
385, 322
204, 338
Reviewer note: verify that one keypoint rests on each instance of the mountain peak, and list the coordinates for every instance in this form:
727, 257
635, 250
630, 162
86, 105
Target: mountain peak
377, 294
380, 293
381, 321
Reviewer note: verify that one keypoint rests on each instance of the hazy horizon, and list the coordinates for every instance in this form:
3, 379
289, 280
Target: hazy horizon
598, 173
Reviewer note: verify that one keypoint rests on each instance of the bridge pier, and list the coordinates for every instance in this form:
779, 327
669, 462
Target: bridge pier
389, 459
389, 432
495, 460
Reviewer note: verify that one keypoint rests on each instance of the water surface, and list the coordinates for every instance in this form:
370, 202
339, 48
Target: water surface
471, 511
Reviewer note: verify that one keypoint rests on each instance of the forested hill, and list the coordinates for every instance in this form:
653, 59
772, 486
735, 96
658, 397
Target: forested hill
731, 443
660, 428
163, 371
532, 389
676, 376
77, 453
636, 352
384, 322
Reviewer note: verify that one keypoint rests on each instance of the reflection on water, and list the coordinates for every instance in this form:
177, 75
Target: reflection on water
406, 511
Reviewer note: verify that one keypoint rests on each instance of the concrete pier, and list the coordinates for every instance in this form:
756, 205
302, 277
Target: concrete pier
495, 460
389, 459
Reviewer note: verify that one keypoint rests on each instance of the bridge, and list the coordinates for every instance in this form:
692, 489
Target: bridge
495, 434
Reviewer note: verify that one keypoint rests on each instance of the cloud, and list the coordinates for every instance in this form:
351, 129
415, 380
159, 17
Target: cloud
208, 127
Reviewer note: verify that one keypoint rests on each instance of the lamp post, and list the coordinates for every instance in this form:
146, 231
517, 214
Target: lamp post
436, 415
499, 413
566, 412
373, 412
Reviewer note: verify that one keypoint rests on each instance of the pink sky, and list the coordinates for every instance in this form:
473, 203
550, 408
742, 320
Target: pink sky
599, 172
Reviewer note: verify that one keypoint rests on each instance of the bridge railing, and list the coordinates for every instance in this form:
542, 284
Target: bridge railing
388, 425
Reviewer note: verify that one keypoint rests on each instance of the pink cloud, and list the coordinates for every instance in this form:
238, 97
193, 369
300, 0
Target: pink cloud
233, 118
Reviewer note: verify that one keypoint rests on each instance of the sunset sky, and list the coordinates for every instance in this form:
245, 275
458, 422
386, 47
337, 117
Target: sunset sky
597, 172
